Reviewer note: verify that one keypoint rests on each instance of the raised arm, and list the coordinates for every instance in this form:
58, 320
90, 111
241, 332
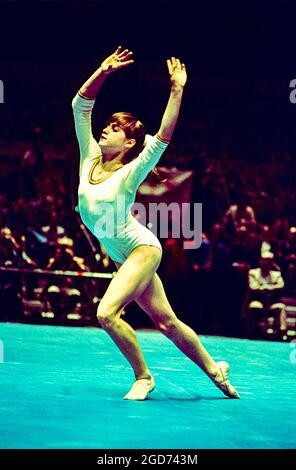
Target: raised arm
178, 77
84, 101
155, 146
115, 61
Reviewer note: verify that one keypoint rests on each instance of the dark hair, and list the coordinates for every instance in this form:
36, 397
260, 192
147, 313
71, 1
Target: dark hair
133, 129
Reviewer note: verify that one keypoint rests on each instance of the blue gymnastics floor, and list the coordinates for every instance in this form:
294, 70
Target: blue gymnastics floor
62, 388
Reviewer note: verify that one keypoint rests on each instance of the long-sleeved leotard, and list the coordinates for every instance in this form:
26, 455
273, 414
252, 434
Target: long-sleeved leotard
105, 208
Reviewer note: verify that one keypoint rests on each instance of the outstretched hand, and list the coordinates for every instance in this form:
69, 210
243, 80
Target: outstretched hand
117, 60
177, 72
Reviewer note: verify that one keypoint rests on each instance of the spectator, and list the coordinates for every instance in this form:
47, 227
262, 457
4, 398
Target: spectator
265, 288
11, 255
63, 297
239, 214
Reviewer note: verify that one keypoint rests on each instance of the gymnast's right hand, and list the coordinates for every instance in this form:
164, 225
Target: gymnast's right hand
117, 60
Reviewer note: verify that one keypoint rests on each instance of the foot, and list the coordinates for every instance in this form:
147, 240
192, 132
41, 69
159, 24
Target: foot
140, 389
221, 380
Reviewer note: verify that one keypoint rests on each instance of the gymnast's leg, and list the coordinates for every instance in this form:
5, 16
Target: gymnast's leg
130, 281
155, 303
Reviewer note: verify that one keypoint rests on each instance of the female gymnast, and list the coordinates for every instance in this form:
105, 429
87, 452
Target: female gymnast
111, 171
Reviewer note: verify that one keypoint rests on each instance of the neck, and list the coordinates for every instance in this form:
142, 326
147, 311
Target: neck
109, 161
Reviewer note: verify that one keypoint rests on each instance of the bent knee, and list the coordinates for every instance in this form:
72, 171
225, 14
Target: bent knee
105, 317
105, 320
167, 326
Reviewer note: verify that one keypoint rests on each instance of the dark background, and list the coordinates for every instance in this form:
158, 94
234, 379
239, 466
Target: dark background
226, 39
242, 48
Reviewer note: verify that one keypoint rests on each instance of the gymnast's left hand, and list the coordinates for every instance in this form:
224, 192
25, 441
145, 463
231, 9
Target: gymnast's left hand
119, 59
177, 72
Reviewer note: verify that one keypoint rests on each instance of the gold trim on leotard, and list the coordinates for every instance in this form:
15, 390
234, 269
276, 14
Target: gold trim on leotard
93, 181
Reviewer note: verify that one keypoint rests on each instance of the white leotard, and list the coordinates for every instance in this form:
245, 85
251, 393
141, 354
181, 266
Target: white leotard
112, 198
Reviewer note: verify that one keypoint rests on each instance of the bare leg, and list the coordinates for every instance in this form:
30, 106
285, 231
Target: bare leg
155, 303
129, 282
125, 338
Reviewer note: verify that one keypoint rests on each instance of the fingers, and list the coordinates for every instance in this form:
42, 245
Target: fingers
175, 65
122, 58
125, 63
127, 56
123, 55
170, 66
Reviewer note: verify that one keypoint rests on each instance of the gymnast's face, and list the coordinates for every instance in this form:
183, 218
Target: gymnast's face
114, 141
